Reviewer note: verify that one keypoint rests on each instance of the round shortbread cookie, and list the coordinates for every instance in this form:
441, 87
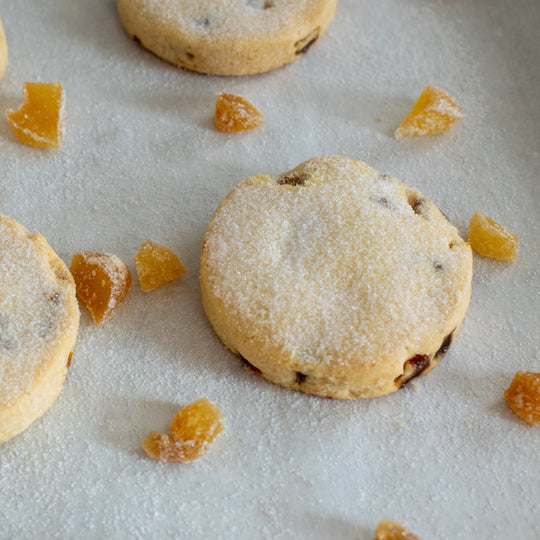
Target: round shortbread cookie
3, 50
334, 279
39, 318
227, 37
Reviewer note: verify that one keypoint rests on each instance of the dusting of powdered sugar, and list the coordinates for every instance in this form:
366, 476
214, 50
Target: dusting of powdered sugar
232, 19
342, 267
33, 309
141, 159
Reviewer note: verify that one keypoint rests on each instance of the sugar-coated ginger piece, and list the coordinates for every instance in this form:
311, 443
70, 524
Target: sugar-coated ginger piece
156, 265
490, 239
390, 530
102, 281
3, 51
40, 121
435, 111
523, 396
193, 430
236, 113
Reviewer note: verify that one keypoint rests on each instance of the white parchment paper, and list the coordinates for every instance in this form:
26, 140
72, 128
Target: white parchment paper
142, 160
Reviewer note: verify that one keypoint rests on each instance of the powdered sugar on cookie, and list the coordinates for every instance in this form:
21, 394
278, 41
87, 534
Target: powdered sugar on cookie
240, 19
37, 308
336, 264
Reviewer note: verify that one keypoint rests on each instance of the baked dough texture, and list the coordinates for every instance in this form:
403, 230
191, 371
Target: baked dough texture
227, 37
3, 51
334, 279
39, 318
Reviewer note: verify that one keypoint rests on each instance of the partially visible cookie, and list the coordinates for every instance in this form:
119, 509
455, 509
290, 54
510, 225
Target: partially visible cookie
3, 51
227, 37
39, 318
334, 279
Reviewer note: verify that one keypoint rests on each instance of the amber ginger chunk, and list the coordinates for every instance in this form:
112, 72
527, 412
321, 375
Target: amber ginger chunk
523, 396
390, 530
102, 281
236, 113
3, 51
435, 111
156, 265
490, 239
40, 121
193, 430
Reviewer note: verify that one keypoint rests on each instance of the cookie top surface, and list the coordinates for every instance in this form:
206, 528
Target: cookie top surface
230, 19
38, 308
335, 264
3, 51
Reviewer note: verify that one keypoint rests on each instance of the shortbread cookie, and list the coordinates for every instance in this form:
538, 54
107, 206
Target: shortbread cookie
227, 37
3, 51
39, 318
334, 279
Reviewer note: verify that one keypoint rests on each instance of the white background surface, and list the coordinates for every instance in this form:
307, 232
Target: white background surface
142, 160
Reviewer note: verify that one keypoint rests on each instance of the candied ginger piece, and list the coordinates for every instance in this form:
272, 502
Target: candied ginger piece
435, 111
236, 113
102, 281
523, 396
3, 50
193, 430
156, 265
490, 239
40, 121
390, 530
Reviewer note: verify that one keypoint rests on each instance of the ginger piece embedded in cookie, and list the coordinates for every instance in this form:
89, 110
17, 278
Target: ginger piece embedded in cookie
40, 121
192, 431
102, 281
490, 239
523, 396
236, 113
435, 111
390, 530
156, 265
